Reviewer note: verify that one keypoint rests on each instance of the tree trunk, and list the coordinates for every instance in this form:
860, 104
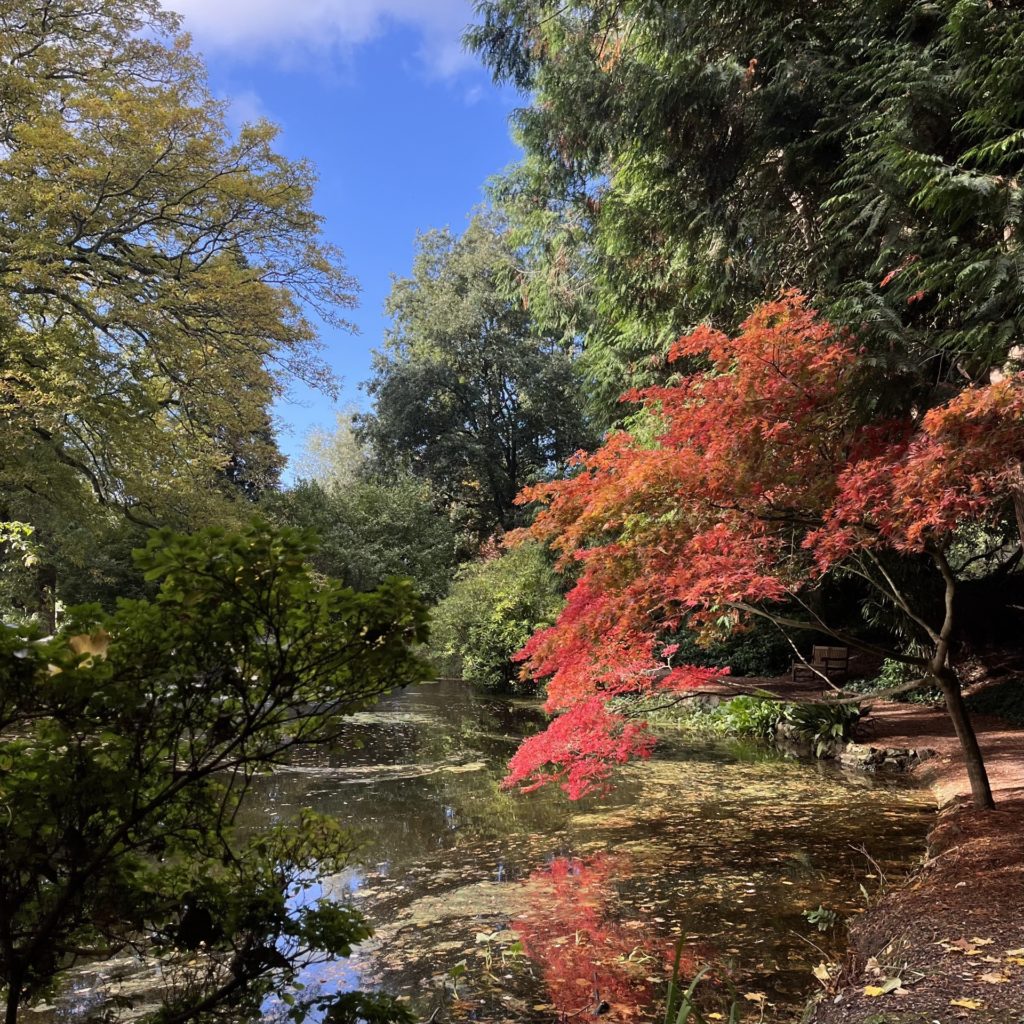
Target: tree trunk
46, 596
1018, 508
981, 791
13, 1000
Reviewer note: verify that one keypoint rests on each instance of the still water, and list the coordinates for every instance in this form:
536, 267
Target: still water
497, 906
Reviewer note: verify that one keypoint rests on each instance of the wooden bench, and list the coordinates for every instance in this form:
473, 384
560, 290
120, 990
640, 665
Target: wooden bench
832, 662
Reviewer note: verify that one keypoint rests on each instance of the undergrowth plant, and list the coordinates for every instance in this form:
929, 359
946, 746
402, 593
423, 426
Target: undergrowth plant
680, 1006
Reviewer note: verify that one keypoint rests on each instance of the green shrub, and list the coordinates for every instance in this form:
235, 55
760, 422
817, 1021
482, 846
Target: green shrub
892, 674
491, 610
750, 716
822, 724
1006, 700
758, 718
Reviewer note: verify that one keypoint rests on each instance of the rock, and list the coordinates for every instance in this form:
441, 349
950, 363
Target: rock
888, 759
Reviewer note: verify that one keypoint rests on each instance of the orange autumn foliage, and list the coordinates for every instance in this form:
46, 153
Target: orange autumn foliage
756, 476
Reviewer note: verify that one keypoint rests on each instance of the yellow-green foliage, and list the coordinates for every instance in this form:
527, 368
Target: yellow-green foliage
151, 268
492, 609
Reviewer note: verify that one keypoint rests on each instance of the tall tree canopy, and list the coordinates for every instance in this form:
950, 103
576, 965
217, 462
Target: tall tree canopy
374, 529
756, 482
372, 524
154, 269
686, 160
469, 393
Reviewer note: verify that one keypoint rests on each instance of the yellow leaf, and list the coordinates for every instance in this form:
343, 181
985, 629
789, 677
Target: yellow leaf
994, 978
755, 997
981, 942
1015, 952
874, 990
93, 644
1018, 960
821, 971
716, 1016
967, 1004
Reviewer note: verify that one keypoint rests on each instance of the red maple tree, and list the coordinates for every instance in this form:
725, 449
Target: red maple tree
747, 482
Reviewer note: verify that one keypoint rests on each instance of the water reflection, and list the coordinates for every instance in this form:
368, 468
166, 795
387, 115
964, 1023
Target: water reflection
590, 961
552, 906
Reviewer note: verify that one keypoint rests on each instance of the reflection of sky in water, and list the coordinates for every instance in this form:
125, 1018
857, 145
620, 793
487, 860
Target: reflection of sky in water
727, 842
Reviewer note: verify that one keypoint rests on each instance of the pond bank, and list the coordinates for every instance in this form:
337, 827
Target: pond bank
954, 934
948, 945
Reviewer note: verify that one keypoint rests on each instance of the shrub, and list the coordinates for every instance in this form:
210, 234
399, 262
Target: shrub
491, 610
822, 724
1006, 700
751, 716
892, 674
759, 717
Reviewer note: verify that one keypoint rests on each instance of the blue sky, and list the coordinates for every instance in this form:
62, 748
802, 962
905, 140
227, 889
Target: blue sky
402, 125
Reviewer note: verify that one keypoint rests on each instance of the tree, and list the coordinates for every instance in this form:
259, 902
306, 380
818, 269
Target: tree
758, 481
684, 161
128, 741
468, 394
492, 608
154, 269
335, 459
373, 529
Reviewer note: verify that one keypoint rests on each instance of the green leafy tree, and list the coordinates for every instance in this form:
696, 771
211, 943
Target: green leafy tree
154, 269
373, 529
492, 609
128, 742
684, 161
469, 393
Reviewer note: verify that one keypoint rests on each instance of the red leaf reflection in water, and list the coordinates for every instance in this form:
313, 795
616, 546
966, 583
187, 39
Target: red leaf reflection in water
586, 955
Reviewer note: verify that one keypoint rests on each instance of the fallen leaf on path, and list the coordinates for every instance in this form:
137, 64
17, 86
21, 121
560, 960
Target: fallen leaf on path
994, 978
981, 942
968, 948
967, 1004
887, 986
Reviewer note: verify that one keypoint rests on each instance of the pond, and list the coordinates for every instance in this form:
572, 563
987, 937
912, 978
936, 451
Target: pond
499, 906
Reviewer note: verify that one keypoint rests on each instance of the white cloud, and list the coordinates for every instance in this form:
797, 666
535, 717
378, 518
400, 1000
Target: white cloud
246, 107
293, 28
